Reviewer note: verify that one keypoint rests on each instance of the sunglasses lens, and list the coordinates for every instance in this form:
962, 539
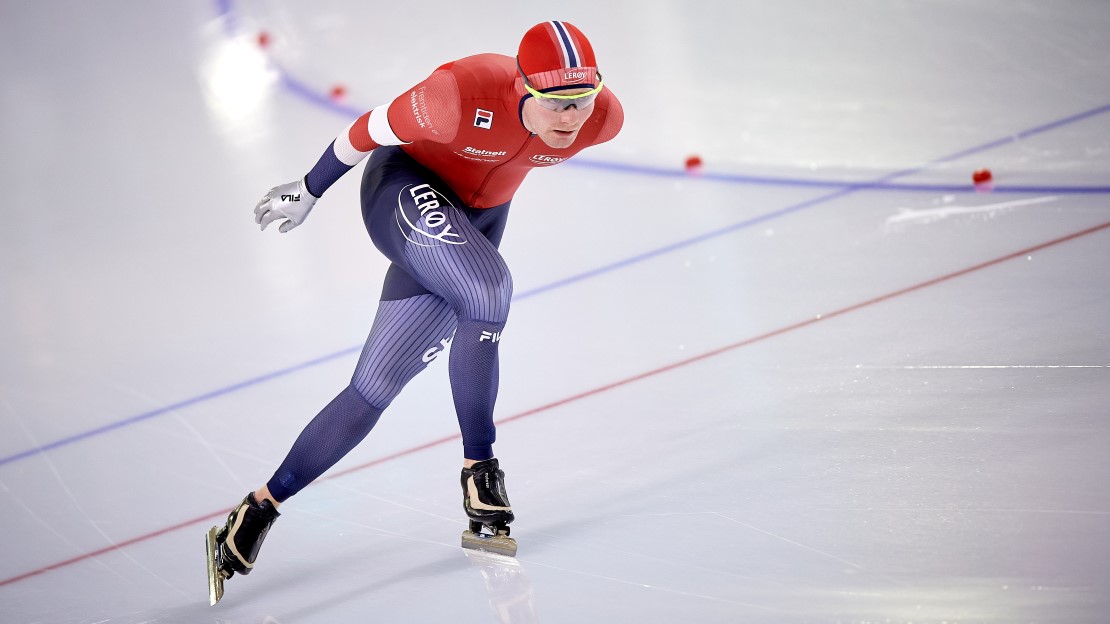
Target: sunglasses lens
559, 104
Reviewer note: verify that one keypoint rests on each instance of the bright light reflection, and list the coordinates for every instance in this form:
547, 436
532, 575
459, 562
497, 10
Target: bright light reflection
237, 79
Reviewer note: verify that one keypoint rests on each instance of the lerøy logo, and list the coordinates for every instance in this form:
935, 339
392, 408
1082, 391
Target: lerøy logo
422, 221
483, 119
543, 160
574, 76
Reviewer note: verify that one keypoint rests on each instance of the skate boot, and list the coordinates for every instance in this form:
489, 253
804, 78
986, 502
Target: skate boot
487, 505
234, 547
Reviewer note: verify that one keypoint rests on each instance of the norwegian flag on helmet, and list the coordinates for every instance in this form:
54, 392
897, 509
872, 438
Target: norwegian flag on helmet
550, 48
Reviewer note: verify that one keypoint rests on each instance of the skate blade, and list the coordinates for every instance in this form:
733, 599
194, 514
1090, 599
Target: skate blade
215, 578
497, 544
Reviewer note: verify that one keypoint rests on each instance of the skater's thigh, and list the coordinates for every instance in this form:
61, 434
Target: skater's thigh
432, 239
452, 259
394, 186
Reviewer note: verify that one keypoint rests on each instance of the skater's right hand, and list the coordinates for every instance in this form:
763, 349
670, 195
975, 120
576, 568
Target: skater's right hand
290, 201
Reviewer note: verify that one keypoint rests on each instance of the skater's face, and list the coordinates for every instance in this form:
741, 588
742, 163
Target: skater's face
556, 128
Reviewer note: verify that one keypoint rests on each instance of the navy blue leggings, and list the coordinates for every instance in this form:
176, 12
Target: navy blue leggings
446, 277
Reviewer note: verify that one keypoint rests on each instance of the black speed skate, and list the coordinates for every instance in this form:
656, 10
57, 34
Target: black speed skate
234, 547
487, 505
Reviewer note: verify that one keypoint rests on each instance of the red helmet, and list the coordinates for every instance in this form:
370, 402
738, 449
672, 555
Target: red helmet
557, 54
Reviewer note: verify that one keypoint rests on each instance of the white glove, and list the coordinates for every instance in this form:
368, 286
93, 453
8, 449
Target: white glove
289, 201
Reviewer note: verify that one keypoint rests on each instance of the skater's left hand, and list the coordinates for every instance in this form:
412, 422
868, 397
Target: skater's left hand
290, 201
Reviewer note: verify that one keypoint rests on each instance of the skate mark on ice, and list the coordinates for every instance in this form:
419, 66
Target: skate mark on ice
375, 529
119, 424
211, 448
641, 554
669, 590
724, 516
389, 501
109, 549
93, 523
818, 551
49, 527
931, 215
31, 511
115, 546
217, 457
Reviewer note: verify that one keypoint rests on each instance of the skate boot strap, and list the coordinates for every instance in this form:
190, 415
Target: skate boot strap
265, 509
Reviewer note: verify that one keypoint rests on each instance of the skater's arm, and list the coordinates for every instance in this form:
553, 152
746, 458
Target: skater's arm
293, 201
427, 112
430, 111
349, 149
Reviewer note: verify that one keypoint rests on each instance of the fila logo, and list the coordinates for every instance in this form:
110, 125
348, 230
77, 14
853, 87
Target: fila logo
490, 336
483, 119
296, 197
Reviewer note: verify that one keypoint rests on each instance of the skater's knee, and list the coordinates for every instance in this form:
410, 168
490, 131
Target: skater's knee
377, 392
488, 298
